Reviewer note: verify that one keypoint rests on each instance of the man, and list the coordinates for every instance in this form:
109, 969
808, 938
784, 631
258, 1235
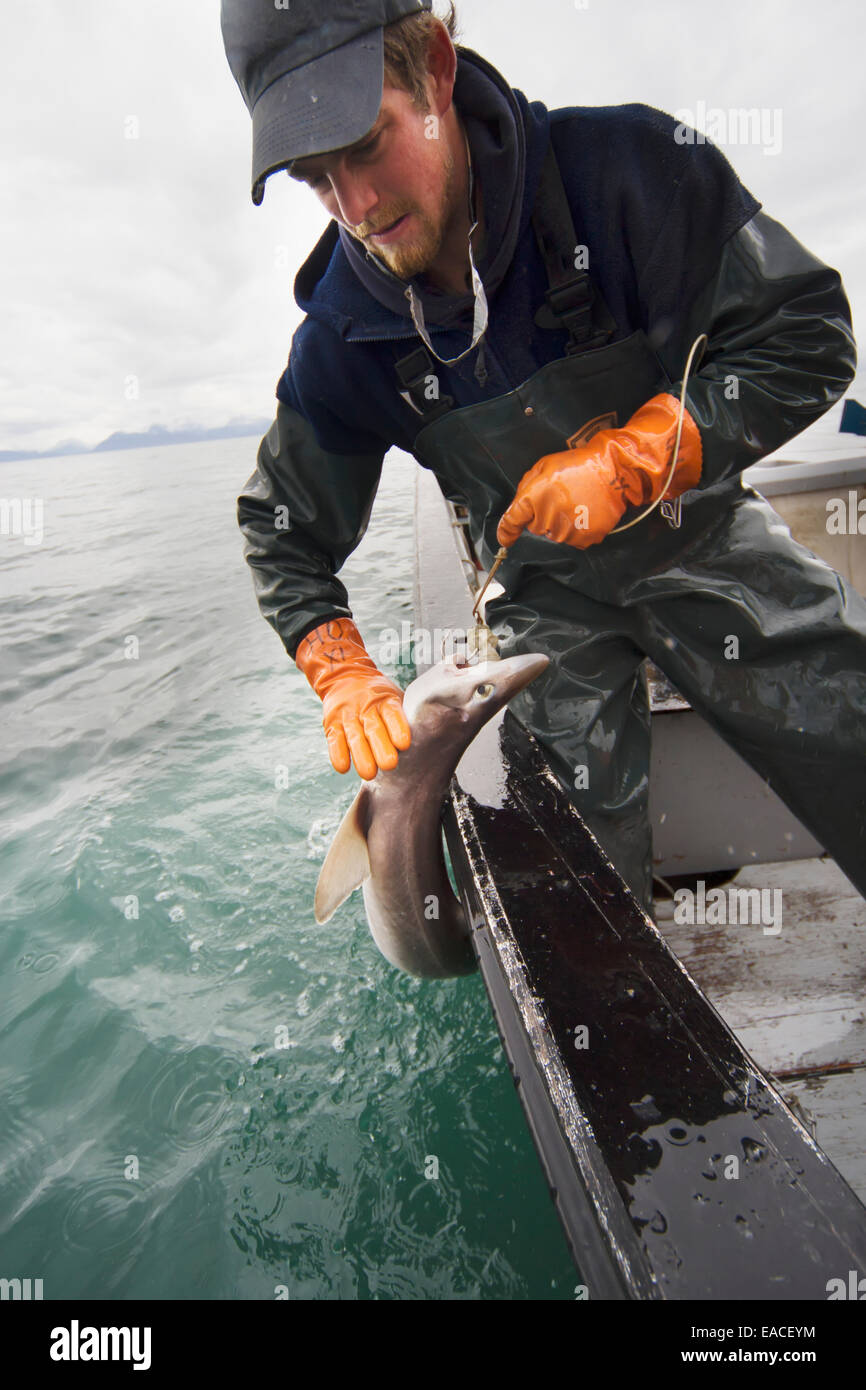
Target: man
511, 295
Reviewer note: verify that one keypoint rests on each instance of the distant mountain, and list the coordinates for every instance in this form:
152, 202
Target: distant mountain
66, 446
156, 435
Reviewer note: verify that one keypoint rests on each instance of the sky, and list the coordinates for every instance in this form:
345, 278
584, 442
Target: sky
138, 283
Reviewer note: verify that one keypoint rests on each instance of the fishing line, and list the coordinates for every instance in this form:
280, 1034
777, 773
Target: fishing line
675, 508
675, 518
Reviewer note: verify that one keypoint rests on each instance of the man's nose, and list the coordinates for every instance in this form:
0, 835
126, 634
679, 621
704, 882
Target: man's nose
356, 197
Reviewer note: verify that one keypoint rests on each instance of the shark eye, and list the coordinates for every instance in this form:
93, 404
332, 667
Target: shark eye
483, 691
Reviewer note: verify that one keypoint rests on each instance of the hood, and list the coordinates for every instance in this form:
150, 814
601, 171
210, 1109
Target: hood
507, 138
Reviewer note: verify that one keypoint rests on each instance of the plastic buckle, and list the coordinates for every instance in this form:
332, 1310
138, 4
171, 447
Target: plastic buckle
572, 305
415, 371
414, 367
575, 296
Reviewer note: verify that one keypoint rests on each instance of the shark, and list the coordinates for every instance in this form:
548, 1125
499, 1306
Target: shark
389, 842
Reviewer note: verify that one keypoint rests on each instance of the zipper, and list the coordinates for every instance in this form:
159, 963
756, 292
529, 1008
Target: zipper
382, 337
396, 337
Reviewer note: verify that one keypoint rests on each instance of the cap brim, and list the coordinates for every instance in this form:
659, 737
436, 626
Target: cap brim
321, 106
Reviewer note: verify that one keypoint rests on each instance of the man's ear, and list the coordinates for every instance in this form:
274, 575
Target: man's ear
441, 69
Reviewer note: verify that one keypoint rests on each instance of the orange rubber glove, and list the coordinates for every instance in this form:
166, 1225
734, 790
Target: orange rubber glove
578, 496
363, 714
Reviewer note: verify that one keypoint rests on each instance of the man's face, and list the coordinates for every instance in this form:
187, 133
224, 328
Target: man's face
393, 189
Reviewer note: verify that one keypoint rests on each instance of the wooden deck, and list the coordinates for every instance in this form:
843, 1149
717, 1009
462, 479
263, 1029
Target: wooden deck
797, 999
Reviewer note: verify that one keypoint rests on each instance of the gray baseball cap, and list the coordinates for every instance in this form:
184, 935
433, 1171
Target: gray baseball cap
312, 81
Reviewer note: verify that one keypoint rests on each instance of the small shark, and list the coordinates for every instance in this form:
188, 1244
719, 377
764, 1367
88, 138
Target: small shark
390, 838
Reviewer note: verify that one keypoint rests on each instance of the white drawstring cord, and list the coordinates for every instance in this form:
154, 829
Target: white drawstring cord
675, 507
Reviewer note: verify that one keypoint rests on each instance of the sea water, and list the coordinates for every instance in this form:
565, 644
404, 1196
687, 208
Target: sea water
203, 1094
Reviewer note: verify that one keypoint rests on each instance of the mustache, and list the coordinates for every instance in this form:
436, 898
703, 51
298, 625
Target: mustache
367, 229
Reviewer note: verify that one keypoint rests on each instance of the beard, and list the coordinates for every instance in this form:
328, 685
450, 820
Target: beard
412, 255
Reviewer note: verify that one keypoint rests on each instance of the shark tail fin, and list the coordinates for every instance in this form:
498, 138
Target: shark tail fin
347, 863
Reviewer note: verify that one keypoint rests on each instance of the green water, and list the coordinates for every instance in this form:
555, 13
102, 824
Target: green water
202, 1093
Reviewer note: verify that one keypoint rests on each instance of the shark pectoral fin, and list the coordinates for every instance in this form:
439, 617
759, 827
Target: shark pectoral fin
347, 863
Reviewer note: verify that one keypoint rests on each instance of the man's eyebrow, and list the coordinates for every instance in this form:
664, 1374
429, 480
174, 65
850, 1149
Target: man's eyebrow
302, 174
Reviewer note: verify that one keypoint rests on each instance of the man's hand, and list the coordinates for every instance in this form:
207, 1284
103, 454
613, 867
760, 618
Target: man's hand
363, 714
578, 496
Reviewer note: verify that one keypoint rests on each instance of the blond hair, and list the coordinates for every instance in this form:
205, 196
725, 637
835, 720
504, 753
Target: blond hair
406, 44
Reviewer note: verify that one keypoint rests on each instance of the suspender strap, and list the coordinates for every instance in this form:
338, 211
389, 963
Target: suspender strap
421, 385
573, 301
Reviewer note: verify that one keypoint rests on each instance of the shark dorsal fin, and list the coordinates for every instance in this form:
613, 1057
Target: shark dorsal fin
347, 863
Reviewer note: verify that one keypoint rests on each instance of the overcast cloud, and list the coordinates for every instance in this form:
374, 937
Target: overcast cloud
129, 246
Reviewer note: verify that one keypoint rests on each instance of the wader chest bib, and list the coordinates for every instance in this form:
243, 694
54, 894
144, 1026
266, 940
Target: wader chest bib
788, 692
